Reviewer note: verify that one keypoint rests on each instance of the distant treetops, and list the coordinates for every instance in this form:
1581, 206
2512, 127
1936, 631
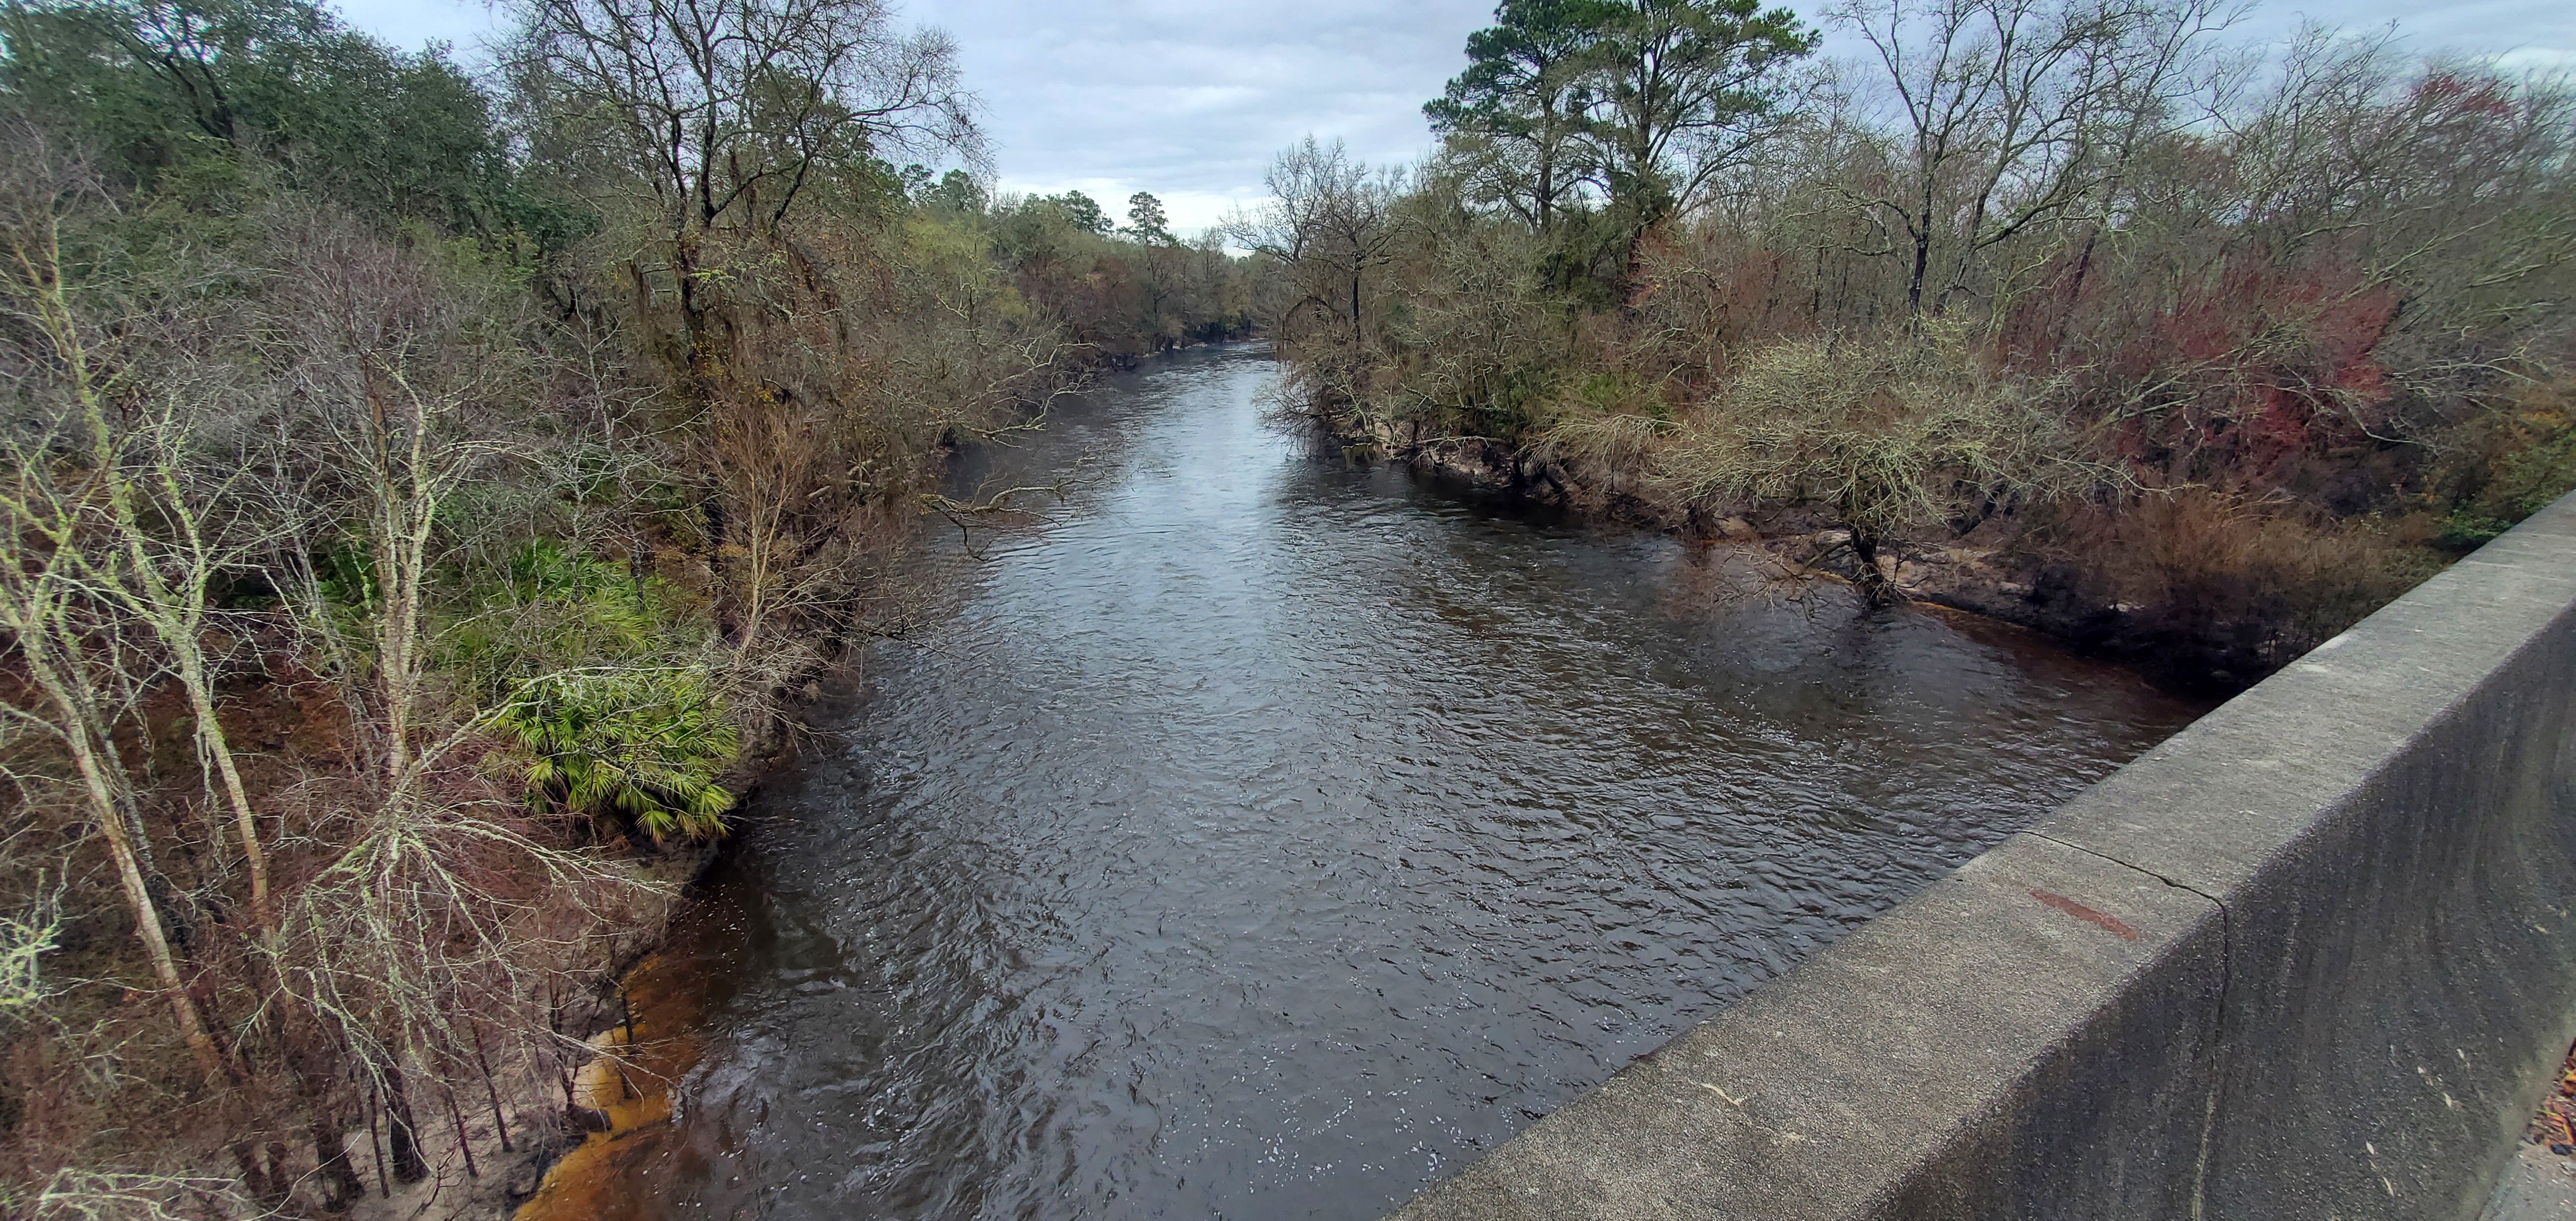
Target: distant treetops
960, 192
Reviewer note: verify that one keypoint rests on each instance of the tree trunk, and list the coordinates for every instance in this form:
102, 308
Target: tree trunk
341, 1186
464, 1144
116, 820
210, 735
402, 1132
1922, 265
500, 1122
1877, 588
305, 1048
384, 1185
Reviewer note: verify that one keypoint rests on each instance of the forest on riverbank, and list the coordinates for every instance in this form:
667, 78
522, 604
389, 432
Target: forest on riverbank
426, 493
2082, 313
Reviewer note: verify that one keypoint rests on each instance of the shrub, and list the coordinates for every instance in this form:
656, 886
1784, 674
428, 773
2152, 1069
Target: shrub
1889, 435
549, 607
2535, 462
2220, 582
641, 745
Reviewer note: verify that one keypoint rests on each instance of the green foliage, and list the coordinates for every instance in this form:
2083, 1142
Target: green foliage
956, 192
577, 650
1079, 210
1685, 91
1622, 392
2463, 532
620, 613
1648, 99
162, 85
347, 574
1528, 63
554, 608
1146, 222
2518, 463
1519, 108
645, 746
2533, 478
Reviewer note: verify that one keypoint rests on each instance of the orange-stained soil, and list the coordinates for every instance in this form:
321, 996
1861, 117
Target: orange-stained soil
631, 1083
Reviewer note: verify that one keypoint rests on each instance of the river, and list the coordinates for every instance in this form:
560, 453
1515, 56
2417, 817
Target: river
1266, 836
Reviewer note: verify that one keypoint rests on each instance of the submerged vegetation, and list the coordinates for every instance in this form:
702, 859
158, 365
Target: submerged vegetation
420, 493
2080, 313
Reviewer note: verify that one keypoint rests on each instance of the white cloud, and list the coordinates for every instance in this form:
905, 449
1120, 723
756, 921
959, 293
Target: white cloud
2538, 59
1191, 102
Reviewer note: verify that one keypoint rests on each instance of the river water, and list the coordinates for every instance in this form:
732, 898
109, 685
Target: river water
1267, 836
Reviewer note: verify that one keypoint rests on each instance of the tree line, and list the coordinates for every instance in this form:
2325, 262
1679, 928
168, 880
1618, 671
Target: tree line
2083, 312
423, 494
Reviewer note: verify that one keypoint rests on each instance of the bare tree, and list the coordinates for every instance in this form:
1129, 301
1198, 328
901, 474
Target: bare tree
2009, 114
732, 112
73, 552
395, 385
86, 695
163, 540
1330, 222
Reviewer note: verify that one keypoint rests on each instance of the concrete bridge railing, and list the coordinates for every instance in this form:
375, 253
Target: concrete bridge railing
2315, 957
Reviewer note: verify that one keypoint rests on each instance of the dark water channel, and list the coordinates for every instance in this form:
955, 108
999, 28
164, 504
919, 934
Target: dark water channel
1269, 836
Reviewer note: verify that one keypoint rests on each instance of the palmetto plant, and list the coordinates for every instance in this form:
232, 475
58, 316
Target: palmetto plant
639, 745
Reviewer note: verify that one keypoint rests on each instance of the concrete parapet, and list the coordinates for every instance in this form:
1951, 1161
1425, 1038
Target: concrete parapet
2312, 958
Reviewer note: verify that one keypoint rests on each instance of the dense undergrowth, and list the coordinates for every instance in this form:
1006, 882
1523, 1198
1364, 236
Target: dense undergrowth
2083, 314
421, 493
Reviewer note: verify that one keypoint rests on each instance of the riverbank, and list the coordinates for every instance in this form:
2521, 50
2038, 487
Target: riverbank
2301, 961
637, 1007
396, 563
2046, 571
490, 1160
1270, 832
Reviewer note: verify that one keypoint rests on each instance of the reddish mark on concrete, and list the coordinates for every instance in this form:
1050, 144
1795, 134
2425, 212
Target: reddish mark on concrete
2125, 930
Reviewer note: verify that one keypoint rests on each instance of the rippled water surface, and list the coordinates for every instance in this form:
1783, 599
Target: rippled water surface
1269, 836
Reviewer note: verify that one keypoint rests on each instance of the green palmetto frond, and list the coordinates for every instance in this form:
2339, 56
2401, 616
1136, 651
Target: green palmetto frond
641, 745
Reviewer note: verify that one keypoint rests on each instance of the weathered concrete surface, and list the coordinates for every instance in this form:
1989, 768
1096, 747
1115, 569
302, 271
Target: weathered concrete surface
2537, 1186
2311, 958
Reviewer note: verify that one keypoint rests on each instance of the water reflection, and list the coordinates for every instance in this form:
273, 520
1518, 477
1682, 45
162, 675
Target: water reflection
1268, 837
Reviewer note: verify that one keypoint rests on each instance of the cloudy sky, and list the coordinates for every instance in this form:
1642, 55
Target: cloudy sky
1188, 99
